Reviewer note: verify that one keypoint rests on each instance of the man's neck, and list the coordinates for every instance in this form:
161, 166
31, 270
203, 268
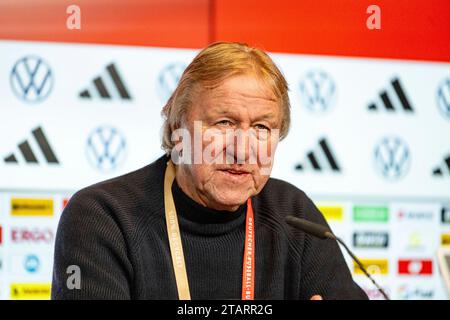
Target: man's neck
184, 181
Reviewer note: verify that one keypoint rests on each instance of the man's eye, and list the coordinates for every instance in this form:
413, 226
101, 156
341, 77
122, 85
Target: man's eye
262, 127
224, 123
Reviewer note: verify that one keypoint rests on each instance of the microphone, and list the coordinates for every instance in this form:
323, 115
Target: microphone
323, 232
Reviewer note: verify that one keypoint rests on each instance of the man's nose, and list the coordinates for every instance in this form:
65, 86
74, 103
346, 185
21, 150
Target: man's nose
239, 146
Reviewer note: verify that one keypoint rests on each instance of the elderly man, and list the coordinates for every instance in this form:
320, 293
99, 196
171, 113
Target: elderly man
204, 221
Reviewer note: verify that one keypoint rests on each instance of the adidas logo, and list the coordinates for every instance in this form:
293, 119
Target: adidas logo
107, 86
387, 103
34, 150
320, 159
443, 169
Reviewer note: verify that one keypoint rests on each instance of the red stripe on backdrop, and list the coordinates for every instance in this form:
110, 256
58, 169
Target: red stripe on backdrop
163, 23
410, 29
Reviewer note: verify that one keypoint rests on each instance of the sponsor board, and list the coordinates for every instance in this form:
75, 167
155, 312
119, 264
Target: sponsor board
31, 263
374, 293
65, 202
373, 266
445, 214
415, 292
31, 207
332, 213
415, 215
445, 239
30, 291
370, 213
416, 240
415, 267
35, 235
370, 239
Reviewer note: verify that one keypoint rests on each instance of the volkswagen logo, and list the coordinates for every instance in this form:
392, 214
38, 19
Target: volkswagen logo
105, 148
443, 98
392, 158
31, 79
317, 91
168, 80
31, 263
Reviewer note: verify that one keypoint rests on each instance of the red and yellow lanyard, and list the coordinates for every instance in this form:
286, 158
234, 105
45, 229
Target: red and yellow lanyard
176, 248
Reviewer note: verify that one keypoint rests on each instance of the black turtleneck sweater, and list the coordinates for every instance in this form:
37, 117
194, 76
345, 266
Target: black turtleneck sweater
115, 232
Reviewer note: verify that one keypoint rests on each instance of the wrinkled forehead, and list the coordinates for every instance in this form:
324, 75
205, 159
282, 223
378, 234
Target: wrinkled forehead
237, 97
239, 89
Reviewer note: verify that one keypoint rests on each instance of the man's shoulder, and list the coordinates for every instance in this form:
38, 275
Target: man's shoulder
132, 187
283, 198
282, 190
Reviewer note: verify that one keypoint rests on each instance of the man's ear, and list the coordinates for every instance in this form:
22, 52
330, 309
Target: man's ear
174, 126
178, 124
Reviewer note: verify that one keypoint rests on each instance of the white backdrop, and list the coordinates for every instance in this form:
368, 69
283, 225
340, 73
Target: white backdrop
376, 187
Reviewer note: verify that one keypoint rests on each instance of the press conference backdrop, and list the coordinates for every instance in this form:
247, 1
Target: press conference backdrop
369, 143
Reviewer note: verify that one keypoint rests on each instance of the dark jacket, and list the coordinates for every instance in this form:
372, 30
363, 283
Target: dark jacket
115, 232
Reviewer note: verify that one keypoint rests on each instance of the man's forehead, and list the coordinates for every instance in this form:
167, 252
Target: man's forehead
242, 87
229, 108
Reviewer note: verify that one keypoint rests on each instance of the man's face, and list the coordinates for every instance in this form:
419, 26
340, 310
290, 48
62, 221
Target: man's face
239, 121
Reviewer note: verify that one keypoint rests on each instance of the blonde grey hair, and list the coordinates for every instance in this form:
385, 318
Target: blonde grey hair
211, 67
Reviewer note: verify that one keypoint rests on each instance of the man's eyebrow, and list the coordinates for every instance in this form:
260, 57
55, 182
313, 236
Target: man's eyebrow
230, 111
267, 116
223, 109
272, 119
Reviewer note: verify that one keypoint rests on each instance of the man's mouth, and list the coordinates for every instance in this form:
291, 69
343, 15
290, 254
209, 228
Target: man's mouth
235, 173
235, 170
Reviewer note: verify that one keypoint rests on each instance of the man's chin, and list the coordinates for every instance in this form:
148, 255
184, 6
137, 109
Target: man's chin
231, 202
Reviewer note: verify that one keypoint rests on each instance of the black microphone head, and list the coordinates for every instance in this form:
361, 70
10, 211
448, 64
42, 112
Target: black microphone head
309, 227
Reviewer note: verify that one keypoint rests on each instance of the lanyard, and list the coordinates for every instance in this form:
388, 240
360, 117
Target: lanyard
176, 248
